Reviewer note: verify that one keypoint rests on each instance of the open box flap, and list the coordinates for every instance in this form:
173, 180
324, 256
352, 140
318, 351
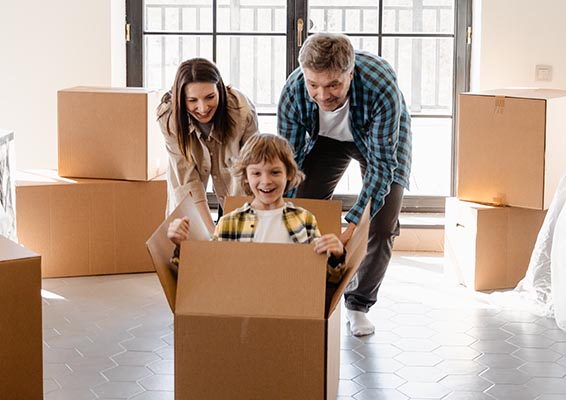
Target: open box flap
356, 250
251, 279
327, 212
10, 251
107, 89
161, 249
522, 92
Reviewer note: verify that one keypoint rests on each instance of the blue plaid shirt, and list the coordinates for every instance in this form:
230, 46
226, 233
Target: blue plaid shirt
379, 120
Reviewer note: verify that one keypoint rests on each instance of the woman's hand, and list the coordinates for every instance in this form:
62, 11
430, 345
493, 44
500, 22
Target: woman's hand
178, 230
329, 244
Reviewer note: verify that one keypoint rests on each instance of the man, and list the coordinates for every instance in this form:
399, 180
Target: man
340, 105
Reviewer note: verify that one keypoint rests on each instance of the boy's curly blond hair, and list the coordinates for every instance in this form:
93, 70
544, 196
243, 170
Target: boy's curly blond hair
266, 147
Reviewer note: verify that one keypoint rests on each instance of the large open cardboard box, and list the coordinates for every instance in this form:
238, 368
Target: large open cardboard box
21, 338
110, 133
88, 226
511, 146
250, 318
489, 247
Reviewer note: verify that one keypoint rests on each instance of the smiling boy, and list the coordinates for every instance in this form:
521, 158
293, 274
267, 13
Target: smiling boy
266, 170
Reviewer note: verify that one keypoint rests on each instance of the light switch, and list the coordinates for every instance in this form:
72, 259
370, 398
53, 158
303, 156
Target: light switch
543, 73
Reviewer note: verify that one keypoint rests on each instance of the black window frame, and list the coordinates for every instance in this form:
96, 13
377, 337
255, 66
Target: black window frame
299, 9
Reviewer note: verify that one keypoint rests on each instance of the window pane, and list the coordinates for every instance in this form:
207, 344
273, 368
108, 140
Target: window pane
252, 16
178, 15
267, 123
425, 71
163, 54
365, 43
335, 16
256, 66
408, 16
351, 182
432, 161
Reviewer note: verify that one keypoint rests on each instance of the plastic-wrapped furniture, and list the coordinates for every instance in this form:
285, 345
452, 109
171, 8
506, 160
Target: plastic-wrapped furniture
558, 269
7, 186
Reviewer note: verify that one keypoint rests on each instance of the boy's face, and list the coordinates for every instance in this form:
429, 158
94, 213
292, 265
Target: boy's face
267, 181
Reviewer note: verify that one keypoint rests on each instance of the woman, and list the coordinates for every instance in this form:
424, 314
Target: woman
205, 124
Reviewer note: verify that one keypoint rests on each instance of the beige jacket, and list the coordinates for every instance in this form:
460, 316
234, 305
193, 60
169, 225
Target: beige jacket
209, 158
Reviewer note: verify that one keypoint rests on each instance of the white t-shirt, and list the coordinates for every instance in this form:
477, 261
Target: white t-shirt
271, 228
336, 124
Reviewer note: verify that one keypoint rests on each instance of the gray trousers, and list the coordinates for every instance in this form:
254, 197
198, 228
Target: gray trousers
324, 166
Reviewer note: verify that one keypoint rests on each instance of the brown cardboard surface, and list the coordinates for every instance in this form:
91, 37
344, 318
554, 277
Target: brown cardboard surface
509, 146
88, 226
332, 355
251, 279
356, 250
220, 358
251, 315
489, 247
109, 133
21, 344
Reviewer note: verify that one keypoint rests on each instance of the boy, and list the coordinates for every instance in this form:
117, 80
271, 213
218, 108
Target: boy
266, 169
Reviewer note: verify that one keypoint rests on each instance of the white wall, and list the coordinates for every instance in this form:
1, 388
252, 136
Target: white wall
510, 37
50, 45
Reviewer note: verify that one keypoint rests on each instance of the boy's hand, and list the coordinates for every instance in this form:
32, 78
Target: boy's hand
178, 230
329, 244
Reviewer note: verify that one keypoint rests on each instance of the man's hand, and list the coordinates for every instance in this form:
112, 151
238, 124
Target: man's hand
178, 230
347, 234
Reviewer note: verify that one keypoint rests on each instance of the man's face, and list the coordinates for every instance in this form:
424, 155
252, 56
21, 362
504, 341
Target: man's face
329, 89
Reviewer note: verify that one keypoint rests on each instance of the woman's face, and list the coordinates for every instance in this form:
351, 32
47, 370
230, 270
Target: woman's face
201, 100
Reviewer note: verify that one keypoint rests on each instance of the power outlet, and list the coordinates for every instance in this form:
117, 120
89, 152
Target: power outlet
543, 73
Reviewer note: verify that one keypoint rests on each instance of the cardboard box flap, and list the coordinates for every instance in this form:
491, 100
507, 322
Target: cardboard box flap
356, 250
161, 249
521, 92
104, 89
10, 251
327, 212
259, 279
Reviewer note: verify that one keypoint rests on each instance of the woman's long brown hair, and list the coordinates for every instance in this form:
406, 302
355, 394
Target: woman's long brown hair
197, 70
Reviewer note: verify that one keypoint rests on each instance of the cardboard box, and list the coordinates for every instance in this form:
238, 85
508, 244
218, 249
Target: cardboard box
88, 226
110, 133
489, 247
250, 318
511, 146
21, 337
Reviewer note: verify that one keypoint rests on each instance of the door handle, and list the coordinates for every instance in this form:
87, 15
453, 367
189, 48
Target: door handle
300, 24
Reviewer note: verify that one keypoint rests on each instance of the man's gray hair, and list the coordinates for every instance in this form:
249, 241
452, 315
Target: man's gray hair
327, 51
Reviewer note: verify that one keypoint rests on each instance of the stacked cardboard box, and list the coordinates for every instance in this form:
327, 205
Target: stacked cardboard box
21, 360
251, 320
510, 157
88, 226
98, 221
109, 133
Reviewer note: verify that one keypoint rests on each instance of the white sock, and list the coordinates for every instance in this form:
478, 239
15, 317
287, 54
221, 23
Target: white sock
360, 325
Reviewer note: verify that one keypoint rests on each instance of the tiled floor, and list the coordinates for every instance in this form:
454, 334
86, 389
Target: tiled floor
111, 338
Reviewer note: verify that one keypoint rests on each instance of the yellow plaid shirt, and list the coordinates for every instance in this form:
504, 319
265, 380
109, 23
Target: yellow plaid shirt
240, 225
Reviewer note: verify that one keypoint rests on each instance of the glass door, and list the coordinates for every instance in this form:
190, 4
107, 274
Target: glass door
245, 38
255, 43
